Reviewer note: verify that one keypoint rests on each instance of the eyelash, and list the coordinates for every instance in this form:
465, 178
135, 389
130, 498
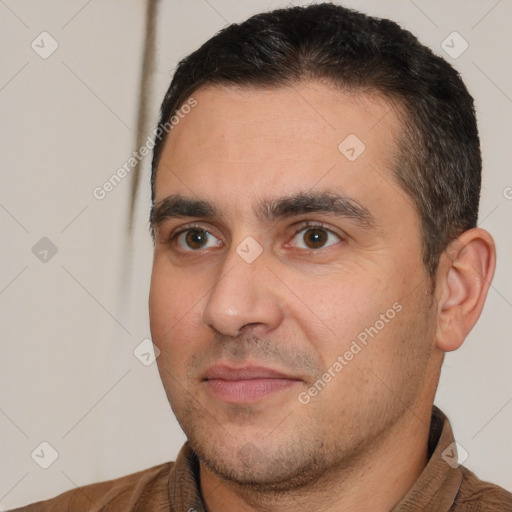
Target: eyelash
303, 226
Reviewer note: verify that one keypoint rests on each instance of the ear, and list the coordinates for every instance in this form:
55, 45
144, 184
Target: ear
465, 272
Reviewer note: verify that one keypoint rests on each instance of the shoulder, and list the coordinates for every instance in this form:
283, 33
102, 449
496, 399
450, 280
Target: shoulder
478, 495
130, 492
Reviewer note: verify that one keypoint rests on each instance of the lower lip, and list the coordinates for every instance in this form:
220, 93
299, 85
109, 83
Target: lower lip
248, 390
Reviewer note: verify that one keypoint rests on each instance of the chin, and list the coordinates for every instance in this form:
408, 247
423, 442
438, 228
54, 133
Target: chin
261, 468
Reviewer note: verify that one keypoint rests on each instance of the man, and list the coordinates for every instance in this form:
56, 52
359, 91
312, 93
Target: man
316, 254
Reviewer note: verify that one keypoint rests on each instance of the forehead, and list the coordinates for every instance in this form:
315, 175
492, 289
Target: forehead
246, 142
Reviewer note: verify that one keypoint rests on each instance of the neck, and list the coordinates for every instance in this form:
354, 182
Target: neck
376, 480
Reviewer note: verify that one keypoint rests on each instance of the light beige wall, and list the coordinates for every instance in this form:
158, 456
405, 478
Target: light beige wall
68, 375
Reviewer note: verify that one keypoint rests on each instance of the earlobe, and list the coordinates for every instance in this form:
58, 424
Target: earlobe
464, 275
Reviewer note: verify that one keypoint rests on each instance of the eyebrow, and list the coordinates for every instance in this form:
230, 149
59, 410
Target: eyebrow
177, 206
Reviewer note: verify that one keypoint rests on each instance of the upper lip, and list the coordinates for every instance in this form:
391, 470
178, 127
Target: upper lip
244, 373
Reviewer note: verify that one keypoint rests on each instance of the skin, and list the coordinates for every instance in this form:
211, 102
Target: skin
361, 442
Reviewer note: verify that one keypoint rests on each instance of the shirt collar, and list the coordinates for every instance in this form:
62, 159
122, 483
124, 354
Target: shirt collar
439, 483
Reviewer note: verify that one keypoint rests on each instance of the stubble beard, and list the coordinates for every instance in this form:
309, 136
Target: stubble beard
287, 459
301, 455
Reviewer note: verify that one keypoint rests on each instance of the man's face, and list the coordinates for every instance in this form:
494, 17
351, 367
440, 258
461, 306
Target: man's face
294, 331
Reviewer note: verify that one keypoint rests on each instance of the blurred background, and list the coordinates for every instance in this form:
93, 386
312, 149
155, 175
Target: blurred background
80, 86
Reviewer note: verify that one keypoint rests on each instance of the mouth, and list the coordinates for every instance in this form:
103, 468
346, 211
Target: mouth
246, 384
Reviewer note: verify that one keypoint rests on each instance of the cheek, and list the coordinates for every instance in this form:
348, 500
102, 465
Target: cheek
173, 304
358, 313
343, 306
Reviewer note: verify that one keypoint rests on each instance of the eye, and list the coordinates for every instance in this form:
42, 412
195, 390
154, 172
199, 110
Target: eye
196, 239
315, 237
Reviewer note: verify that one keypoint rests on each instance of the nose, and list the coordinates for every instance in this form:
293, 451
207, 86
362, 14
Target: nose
243, 294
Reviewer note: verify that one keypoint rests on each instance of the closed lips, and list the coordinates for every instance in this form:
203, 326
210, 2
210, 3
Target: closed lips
245, 373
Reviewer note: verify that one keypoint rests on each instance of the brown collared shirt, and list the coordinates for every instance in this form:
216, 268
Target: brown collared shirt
174, 486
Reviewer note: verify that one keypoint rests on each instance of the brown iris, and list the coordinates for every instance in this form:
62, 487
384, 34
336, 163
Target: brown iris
196, 238
315, 238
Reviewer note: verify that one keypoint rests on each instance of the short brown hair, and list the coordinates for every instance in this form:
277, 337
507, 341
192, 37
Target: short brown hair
438, 162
